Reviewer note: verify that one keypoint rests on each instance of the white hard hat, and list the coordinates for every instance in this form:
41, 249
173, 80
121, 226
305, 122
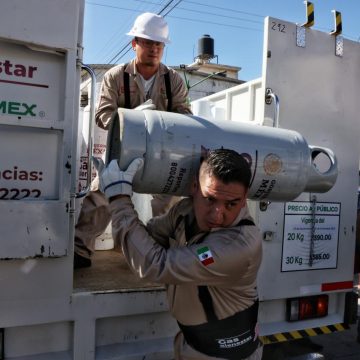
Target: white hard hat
150, 26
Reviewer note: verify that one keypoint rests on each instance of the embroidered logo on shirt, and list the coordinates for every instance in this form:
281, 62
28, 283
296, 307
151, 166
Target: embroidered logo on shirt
205, 256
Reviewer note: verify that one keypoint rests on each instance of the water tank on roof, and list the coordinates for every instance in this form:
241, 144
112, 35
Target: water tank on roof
206, 48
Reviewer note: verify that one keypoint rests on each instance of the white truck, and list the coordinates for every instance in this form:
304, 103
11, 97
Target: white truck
47, 311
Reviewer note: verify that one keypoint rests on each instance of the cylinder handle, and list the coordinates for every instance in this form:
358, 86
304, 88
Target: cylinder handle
319, 181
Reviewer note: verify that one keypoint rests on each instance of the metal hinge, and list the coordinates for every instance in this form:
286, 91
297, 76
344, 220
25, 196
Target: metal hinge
301, 29
79, 53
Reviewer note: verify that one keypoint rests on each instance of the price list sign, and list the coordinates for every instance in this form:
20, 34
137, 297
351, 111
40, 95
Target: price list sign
311, 233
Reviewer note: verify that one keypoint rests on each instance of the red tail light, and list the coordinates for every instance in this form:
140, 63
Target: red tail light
310, 307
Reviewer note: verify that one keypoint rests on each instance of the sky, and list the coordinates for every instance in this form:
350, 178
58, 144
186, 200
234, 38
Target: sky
237, 27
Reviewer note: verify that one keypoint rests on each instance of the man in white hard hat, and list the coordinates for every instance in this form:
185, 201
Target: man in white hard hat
142, 83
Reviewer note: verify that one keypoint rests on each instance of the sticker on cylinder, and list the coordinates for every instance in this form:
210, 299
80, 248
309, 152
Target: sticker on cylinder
272, 164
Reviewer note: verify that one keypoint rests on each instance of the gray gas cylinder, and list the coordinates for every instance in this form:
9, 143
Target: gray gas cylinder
282, 163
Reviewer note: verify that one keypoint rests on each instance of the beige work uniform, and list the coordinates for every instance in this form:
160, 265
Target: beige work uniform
94, 216
160, 252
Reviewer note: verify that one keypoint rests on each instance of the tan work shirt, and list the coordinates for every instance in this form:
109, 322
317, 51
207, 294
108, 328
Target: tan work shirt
112, 95
160, 252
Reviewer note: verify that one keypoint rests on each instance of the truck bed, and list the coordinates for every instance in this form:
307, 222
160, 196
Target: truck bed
109, 272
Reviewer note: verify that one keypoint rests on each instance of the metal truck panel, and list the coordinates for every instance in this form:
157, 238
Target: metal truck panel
50, 23
39, 96
228, 104
309, 242
32, 88
38, 110
322, 106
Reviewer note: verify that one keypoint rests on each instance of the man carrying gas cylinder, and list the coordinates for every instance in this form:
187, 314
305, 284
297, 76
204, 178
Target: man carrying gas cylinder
143, 83
205, 249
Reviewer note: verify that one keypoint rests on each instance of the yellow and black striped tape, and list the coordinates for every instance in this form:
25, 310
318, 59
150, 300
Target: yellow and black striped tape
338, 23
309, 14
300, 334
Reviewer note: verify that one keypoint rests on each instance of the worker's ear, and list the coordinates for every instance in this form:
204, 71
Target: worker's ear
133, 43
244, 200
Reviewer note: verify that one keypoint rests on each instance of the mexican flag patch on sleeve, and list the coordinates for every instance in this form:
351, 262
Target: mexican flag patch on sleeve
205, 255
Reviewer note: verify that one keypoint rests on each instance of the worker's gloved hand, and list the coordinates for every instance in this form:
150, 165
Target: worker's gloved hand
113, 181
147, 105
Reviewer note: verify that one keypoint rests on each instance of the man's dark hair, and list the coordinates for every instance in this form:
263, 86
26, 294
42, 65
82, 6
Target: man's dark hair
228, 166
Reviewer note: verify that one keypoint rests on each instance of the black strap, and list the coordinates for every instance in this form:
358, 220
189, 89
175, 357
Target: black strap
232, 338
206, 301
126, 88
127, 104
168, 90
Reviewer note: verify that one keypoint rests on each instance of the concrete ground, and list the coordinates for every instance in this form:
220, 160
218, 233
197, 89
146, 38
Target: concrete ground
336, 346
